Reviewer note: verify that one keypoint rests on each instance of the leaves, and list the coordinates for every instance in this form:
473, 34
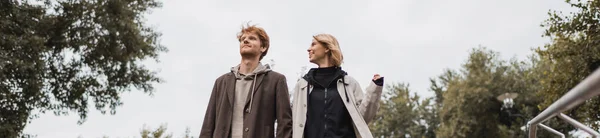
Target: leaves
64, 55
464, 99
401, 114
571, 57
159, 132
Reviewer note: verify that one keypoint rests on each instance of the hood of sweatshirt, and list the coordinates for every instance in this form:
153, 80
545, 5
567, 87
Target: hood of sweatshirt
260, 69
247, 83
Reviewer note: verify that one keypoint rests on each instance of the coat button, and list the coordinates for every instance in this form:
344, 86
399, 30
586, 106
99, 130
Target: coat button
247, 110
301, 125
304, 105
246, 129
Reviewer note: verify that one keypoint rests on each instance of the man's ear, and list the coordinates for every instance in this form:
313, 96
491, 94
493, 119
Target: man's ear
263, 49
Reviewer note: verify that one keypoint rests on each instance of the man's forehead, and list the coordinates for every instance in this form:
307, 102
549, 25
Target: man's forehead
246, 34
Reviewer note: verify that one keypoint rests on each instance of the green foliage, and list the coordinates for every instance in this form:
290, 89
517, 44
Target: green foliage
159, 132
465, 102
62, 55
469, 107
397, 116
573, 55
466, 99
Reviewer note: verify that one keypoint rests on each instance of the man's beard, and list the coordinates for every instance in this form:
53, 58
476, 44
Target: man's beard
249, 55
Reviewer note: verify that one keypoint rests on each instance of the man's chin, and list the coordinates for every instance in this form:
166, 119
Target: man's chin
248, 54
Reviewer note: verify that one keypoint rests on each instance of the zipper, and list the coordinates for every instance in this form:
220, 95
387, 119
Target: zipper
325, 95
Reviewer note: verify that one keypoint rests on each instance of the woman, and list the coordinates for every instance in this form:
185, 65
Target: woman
327, 102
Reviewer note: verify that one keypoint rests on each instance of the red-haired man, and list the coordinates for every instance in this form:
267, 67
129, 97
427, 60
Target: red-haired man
246, 101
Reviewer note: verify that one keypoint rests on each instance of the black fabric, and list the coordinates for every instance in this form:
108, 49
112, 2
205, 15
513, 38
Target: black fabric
327, 116
378, 82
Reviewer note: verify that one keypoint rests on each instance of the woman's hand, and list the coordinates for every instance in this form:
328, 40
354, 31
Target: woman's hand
378, 80
376, 76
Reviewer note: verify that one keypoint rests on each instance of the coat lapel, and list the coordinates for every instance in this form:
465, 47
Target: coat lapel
342, 89
230, 89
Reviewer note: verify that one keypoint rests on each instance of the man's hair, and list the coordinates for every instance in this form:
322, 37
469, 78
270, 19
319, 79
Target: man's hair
262, 36
335, 53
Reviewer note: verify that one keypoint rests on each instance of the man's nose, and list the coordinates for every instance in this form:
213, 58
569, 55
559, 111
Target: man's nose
246, 41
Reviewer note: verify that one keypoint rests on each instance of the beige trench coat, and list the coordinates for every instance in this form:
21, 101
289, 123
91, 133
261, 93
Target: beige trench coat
362, 108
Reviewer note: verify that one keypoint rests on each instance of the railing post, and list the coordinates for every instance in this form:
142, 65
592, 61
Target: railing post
552, 130
579, 125
532, 129
586, 89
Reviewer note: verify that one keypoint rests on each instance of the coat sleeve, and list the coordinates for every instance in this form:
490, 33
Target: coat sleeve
208, 125
284, 110
368, 104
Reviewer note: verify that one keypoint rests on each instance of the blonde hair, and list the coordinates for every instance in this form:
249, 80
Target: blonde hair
335, 53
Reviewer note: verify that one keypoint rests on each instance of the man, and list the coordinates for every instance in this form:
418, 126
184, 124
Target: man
246, 101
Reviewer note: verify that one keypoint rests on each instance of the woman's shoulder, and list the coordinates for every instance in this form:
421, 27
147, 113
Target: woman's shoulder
350, 80
301, 83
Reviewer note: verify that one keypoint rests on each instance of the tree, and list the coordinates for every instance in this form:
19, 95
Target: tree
468, 104
465, 102
468, 99
63, 55
438, 86
159, 132
573, 55
401, 114
187, 133
428, 118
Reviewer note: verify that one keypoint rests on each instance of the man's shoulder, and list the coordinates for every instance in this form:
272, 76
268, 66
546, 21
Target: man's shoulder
275, 74
224, 76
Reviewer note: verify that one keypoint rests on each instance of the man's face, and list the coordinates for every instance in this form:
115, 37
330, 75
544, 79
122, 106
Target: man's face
250, 45
317, 52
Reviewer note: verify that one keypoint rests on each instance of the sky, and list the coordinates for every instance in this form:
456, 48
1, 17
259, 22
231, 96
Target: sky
406, 41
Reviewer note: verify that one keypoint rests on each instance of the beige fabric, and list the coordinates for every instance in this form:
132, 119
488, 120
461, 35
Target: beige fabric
362, 109
243, 85
242, 88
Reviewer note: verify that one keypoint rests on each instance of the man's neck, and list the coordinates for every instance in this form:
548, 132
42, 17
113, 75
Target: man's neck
248, 65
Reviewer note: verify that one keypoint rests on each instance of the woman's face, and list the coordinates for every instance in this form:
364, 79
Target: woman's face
317, 53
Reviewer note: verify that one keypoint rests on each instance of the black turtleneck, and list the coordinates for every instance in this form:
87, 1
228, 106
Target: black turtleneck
327, 116
324, 76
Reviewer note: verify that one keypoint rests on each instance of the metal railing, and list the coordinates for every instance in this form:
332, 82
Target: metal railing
586, 89
552, 130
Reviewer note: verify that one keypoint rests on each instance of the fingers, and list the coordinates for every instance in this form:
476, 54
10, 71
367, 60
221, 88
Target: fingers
376, 76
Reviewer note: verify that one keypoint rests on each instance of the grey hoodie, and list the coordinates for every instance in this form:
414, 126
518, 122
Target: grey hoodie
243, 85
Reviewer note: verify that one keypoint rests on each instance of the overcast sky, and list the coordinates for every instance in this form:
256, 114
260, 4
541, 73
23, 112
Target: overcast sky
403, 40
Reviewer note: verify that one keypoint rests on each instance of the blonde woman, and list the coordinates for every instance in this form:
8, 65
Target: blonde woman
327, 102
